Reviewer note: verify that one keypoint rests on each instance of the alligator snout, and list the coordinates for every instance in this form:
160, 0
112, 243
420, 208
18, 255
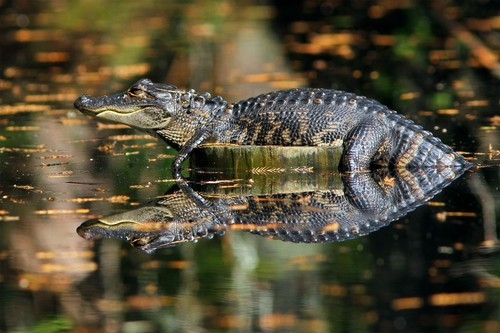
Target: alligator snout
83, 103
93, 106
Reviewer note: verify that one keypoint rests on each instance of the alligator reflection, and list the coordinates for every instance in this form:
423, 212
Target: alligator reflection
359, 204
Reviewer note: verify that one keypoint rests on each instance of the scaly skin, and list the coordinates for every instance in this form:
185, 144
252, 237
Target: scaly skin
368, 131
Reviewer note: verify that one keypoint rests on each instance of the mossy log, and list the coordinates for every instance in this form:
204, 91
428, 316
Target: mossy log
256, 170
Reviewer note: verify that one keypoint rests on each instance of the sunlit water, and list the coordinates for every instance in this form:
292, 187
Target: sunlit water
437, 269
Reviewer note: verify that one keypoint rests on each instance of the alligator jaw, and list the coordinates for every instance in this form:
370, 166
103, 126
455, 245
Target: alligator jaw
118, 103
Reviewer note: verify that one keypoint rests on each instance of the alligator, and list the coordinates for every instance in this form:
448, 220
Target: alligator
370, 134
360, 205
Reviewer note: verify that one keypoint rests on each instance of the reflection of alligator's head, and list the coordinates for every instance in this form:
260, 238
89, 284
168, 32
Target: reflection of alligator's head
150, 227
156, 108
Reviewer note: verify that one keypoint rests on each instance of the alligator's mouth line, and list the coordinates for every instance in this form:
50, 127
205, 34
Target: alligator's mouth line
119, 223
109, 225
144, 226
99, 110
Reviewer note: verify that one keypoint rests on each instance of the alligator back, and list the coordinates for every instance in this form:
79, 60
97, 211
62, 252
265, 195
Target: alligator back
298, 117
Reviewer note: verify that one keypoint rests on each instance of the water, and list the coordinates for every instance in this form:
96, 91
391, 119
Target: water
434, 270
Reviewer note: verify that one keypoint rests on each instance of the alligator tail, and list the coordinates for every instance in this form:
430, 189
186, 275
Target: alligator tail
424, 164
415, 148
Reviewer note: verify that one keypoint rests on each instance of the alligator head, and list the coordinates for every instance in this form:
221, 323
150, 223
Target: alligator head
144, 105
159, 109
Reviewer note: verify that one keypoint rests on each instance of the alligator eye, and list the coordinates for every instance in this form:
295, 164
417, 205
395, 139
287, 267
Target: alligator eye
136, 92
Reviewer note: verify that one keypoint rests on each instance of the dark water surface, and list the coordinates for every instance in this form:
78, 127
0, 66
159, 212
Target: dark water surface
435, 270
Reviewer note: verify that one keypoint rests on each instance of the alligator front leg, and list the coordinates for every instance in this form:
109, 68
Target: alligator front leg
362, 143
198, 138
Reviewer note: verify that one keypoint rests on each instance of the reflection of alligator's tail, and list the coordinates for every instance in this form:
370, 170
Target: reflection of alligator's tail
414, 148
414, 187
